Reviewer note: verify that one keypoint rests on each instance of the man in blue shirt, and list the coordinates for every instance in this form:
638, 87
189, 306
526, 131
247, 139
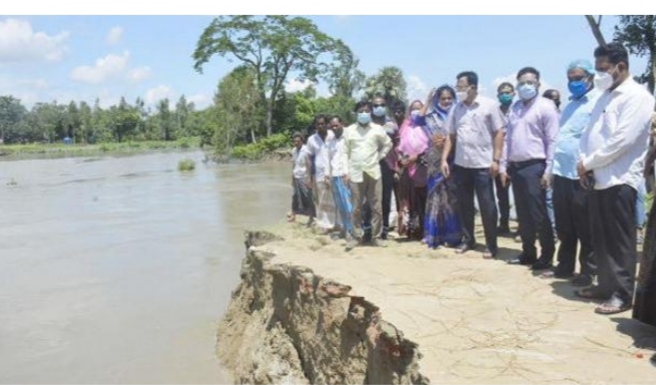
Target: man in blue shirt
569, 197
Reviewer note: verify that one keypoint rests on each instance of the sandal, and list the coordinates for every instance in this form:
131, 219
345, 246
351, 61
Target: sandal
291, 217
590, 293
613, 306
487, 254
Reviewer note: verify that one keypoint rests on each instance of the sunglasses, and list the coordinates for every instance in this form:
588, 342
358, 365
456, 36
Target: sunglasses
379, 105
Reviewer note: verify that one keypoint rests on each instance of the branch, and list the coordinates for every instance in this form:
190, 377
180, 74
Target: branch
596, 31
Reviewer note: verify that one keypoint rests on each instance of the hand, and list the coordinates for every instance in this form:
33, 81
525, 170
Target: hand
444, 167
494, 169
397, 177
345, 179
505, 179
545, 181
429, 99
438, 140
580, 169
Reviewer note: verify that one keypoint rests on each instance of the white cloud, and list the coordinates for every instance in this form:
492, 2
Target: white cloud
294, 85
417, 89
140, 73
105, 68
19, 42
200, 100
114, 35
158, 93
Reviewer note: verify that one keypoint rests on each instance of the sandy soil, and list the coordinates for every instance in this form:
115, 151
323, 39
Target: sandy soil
481, 321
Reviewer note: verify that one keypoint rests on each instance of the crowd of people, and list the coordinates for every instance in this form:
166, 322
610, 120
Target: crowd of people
578, 176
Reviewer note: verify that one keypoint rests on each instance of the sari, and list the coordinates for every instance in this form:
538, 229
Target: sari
441, 225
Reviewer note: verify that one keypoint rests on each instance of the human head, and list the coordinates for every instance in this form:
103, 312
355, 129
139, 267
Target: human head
379, 107
553, 95
297, 139
413, 110
612, 66
444, 97
336, 125
528, 83
321, 124
505, 93
466, 86
398, 110
363, 109
580, 75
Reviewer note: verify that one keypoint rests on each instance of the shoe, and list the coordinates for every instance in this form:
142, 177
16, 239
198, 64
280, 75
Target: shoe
613, 306
378, 243
503, 230
463, 248
542, 264
582, 280
351, 243
488, 254
523, 260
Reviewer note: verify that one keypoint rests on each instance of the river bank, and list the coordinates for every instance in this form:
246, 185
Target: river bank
307, 312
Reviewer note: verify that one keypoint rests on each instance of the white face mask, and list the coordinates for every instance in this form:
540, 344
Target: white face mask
604, 80
461, 95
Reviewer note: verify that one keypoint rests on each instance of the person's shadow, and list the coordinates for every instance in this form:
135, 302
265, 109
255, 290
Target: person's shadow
644, 336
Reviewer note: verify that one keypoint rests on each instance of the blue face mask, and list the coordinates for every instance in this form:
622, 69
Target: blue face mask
364, 118
379, 111
578, 88
527, 91
505, 99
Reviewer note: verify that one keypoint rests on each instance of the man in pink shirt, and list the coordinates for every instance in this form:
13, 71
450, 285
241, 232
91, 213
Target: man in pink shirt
528, 157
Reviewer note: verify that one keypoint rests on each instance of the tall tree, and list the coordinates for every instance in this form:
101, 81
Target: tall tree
11, 113
638, 34
273, 47
182, 115
124, 120
345, 79
389, 83
164, 117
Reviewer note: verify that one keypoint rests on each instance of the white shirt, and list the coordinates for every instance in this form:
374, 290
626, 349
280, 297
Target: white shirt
365, 147
300, 160
336, 150
615, 142
318, 148
475, 127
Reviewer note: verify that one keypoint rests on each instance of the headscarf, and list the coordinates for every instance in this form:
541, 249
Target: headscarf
413, 139
437, 115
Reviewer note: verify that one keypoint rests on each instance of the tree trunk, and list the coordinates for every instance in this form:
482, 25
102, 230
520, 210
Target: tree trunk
596, 31
253, 135
269, 117
651, 79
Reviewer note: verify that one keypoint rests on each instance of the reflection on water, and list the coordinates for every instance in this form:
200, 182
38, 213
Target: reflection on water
117, 270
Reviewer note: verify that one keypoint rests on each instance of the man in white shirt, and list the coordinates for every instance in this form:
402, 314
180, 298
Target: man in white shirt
612, 154
317, 148
366, 145
302, 198
339, 178
476, 126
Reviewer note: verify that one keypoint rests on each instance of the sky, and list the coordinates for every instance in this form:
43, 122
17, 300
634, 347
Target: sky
64, 58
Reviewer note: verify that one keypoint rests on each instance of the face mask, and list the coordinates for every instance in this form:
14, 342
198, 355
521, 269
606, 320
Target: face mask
379, 111
505, 99
461, 95
604, 80
527, 91
578, 88
364, 118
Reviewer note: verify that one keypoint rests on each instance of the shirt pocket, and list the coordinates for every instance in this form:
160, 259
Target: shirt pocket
609, 122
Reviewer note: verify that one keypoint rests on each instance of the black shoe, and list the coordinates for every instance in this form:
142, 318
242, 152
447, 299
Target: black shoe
522, 259
582, 280
503, 230
542, 264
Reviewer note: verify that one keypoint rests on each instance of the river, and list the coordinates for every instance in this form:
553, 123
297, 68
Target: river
117, 269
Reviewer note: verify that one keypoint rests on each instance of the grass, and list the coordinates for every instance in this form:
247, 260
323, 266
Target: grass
186, 165
62, 150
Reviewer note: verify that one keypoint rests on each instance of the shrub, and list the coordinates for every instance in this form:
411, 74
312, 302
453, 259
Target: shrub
186, 165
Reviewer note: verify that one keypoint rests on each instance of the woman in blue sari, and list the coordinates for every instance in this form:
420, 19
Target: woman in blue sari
441, 226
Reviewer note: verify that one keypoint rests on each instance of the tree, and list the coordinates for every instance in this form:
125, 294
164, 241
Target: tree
595, 26
388, 83
345, 78
638, 34
11, 113
72, 123
182, 115
164, 117
124, 120
273, 47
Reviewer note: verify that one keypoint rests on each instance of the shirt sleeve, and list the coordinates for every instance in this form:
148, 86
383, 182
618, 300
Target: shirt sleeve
633, 117
550, 122
497, 119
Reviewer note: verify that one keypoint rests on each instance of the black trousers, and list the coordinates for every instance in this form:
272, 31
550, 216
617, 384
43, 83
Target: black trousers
480, 182
613, 224
531, 204
389, 186
503, 200
572, 226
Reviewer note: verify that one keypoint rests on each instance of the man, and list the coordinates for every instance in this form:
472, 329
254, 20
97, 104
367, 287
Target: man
505, 95
613, 149
570, 198
388, 165
475, 128
528, 155
366, 145
338, 173
317, 148
554, 96
302, 199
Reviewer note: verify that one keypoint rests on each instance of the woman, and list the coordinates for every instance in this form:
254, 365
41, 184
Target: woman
413, 143
441, 225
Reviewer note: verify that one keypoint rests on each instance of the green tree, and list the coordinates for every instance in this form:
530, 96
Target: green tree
388, 83
638, 34
182, 115
124, 120
345, 79
72, 122
12, 112
273, 47
164, 118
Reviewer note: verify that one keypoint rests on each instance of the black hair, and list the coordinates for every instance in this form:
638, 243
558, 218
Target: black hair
549, 94
472, 78
504, 85
297, 134
528, 70
339, 118
398, 105
446, 88
615, 52
361, 104
319, 116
